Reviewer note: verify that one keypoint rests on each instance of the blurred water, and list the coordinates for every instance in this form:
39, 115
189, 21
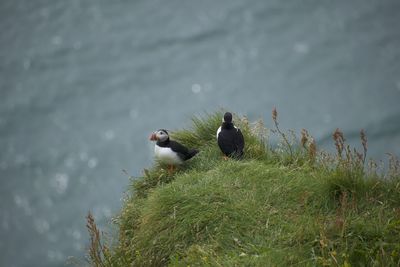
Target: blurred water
83, 83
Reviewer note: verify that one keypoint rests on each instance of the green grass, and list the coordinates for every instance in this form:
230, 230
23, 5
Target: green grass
277, 207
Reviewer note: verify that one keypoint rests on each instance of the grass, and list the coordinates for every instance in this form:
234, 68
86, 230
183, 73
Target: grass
288, 205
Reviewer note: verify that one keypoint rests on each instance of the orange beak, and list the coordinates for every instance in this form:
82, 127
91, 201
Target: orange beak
153, 137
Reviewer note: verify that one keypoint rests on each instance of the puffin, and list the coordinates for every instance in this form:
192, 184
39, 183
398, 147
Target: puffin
170, 152
230, 138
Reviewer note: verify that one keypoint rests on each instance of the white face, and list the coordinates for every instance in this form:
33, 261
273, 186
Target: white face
161, 135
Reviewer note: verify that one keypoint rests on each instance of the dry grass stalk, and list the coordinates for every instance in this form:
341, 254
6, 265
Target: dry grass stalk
309, 144
274, 115
339, 141
363, 138
275, 119
312, 150
97, 251
304, 137
353, 158
258, 129
394, 166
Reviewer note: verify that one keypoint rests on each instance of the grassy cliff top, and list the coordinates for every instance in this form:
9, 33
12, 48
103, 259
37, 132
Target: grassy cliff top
285, 205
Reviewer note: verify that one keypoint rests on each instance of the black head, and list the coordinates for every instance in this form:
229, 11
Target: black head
228, 117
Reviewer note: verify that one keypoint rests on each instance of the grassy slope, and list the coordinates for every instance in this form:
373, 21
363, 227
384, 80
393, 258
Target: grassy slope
271, 209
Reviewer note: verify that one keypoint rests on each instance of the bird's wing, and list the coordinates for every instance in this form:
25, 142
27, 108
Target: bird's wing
239, 140
220, 140
179, 148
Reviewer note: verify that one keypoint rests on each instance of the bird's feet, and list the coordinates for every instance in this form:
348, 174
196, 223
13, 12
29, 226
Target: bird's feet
225, 157
171, 169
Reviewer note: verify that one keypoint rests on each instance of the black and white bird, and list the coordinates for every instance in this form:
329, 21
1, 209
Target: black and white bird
170, 152
230, 138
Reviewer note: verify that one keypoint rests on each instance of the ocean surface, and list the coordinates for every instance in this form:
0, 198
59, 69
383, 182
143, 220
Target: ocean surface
84, 82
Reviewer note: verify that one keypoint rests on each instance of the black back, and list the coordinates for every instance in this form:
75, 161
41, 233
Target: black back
231, 140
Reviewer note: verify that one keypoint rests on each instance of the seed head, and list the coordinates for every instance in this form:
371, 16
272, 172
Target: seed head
274, 114
313, 149
304, 137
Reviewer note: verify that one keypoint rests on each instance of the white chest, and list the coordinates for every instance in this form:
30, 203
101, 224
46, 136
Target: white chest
218, 131
166, 155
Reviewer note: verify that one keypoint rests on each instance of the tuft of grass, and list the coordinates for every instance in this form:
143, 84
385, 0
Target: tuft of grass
99, 254
202, 133
284, 206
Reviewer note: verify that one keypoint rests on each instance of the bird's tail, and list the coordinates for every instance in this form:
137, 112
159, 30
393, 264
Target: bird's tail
192, 153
